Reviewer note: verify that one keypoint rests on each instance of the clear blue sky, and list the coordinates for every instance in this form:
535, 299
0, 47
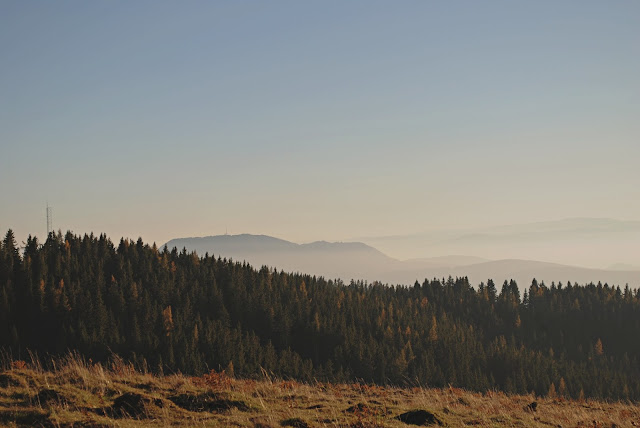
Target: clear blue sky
316, 120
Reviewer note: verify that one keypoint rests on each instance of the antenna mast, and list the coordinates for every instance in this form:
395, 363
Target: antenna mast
49, 219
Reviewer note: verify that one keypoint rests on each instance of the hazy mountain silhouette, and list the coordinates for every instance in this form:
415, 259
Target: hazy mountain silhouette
441, 262
623, 266
328, 259
355, 260
522, 271
589, 242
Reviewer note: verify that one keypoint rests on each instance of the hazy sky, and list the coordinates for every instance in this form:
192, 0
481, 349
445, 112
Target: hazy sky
323, 120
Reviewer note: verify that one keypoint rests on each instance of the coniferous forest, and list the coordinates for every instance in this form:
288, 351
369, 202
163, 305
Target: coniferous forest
169, 310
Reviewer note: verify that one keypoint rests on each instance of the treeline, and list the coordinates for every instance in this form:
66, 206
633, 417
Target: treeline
175, 311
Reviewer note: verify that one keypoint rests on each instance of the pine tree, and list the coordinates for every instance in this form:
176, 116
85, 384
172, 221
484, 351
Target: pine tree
562, 388
167, 320
552, 391
598, 348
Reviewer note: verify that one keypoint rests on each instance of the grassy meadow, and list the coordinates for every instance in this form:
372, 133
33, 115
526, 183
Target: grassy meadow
74, 392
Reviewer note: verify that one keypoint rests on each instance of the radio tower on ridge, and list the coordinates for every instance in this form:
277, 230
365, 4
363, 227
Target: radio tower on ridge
49, 219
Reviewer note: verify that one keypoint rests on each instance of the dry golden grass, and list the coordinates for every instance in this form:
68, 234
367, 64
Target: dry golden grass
79, 393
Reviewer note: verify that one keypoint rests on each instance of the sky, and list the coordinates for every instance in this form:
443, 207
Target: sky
316, 120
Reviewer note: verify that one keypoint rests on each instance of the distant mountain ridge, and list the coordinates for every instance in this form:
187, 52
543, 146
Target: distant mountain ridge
258, 243
583, 241
244, 242
321, 258
524, 271
359, 261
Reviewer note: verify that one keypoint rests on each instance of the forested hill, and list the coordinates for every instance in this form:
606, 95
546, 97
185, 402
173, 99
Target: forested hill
177, 311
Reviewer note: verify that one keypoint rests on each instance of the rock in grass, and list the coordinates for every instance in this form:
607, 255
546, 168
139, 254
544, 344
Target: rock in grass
48, 396
8, 380
25, 418
419, 417
295, 423
260, 423
365, 409
208, 402
133, 405
357, 408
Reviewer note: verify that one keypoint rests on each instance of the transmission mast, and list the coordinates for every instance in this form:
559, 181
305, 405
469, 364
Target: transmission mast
49, 219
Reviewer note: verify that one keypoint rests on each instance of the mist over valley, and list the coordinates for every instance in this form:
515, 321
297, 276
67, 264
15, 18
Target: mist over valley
599, 241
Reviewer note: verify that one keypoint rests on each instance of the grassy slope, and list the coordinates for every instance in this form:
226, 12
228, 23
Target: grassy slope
77, 393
